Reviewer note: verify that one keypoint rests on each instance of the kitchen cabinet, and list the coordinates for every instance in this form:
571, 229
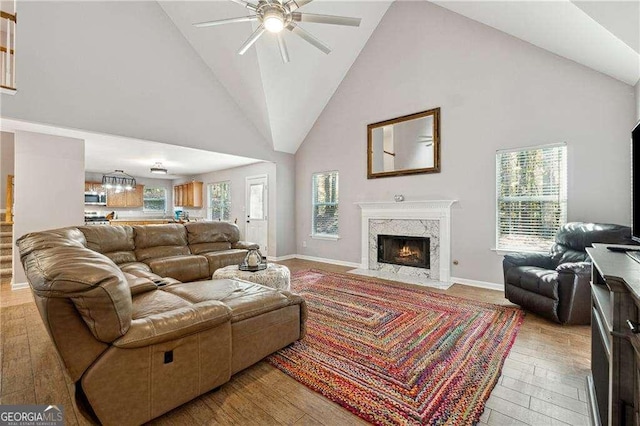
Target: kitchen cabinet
93, 187
125, 198
188, 195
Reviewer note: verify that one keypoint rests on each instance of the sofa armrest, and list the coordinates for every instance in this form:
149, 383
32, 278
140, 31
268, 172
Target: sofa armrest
245, 245
174, 324
577, 268
574, 292
540, 260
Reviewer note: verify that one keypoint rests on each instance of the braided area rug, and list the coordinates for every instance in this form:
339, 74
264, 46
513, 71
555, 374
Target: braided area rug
392, 354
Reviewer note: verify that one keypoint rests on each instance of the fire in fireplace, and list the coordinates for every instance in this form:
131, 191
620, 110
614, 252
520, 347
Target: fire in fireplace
405, 251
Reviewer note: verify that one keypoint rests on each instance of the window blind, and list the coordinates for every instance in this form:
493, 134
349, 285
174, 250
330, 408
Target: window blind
220, 201
325, 204
531, 194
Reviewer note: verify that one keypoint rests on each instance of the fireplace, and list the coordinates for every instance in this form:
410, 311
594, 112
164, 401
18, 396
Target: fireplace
404, 251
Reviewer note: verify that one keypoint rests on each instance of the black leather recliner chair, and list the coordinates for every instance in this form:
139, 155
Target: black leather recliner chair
556, 285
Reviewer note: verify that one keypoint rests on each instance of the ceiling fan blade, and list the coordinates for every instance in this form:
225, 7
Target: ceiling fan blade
254, 37
325, 19
308, 37
246, 4
283, 48
297, 4
226, 21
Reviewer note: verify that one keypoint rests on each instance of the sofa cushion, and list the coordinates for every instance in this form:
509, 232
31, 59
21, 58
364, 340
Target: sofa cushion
139, 285
209, 247
156, 302
220, 259
201, 234
115, 242
181, 268
157, 241
133, 267
245, 299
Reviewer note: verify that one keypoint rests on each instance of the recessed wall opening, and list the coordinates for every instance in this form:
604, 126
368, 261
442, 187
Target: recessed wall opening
404, 250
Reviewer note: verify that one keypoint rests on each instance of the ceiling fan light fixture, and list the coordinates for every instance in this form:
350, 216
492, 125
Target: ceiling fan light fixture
158, 169
273, 21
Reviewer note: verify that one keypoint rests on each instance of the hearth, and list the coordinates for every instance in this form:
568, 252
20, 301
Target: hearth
404, 251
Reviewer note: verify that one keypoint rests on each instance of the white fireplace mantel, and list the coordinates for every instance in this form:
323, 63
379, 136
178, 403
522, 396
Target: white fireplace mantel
439, 210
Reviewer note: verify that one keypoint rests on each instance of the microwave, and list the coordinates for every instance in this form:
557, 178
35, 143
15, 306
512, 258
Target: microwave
95, 199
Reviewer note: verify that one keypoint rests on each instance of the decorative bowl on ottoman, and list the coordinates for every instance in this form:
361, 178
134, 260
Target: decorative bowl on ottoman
274, 276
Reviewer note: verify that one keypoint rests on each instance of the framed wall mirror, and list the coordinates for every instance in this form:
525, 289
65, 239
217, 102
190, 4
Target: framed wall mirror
405, 145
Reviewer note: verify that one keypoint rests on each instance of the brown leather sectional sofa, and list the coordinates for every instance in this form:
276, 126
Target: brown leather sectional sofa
137, 323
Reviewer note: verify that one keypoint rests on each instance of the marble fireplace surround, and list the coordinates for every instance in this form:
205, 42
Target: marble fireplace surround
433, 215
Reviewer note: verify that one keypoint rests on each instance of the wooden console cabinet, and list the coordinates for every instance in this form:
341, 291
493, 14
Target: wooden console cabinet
614, 382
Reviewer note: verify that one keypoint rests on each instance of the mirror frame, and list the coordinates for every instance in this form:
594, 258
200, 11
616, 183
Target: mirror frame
435, 112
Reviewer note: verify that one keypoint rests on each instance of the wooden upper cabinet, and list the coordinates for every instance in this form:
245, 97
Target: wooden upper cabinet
93, 187
116, 199
135, 197
188, 194
125, 198
197, 193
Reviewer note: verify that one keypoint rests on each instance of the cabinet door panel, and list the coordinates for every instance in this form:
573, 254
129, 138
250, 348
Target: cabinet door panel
116, 199
135, 197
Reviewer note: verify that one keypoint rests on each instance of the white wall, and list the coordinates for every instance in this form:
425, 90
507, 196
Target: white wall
142, 80
237, 178
49, 186
495, 92
637, 93
286, 207
6, 164
123, 68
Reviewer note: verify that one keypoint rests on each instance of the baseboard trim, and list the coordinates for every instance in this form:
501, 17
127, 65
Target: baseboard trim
476, 283
19, 286
325, 260
281, 258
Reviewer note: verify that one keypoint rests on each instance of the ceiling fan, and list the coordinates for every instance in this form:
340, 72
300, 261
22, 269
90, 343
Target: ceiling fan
276, 15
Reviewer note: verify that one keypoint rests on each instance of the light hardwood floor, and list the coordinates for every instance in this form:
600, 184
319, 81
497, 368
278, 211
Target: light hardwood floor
542, 382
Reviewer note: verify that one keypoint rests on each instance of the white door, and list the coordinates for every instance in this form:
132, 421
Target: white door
256, 212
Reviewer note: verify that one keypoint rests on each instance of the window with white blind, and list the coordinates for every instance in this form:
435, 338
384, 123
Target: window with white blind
324, 222
154, 199
531, 195
219, 201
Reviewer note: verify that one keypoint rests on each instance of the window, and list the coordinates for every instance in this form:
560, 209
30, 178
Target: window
531, 196
325, 205
155, 199
220, 201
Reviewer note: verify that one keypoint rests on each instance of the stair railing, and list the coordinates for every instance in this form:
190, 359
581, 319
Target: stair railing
8, 22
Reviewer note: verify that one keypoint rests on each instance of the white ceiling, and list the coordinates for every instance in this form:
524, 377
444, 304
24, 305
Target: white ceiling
603, 35
106, 153
284, 100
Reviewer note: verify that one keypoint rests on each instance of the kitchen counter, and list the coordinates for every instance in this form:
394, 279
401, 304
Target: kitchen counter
147, 221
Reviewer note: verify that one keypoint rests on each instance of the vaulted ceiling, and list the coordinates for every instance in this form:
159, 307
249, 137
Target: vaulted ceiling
283, 101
